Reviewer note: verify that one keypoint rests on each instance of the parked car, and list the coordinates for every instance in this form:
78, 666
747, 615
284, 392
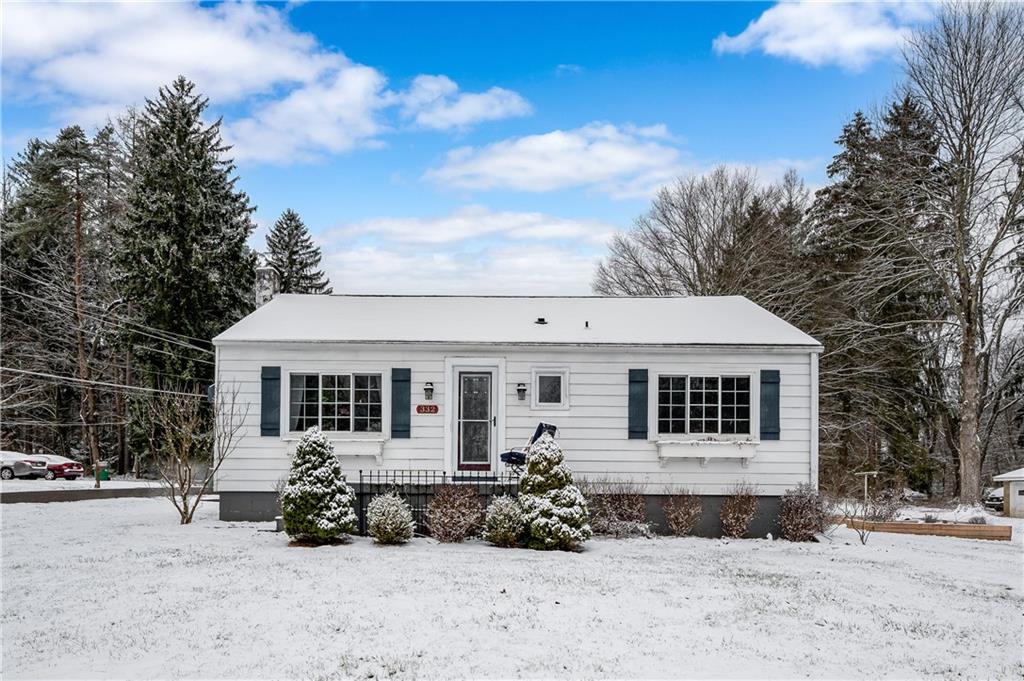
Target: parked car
994, 499
18, 465
62, 467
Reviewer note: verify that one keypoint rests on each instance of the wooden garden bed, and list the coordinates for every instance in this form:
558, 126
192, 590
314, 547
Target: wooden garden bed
962, 530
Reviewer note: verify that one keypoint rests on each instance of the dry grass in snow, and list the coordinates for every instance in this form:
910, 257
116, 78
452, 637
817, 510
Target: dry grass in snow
117, 588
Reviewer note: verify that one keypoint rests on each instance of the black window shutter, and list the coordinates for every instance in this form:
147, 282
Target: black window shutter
401, 403
638, 404
270, 401
769, 404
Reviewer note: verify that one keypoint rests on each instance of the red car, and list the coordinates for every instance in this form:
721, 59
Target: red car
62, 467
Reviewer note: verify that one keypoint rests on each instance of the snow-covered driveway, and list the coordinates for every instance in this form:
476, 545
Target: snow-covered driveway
118, 589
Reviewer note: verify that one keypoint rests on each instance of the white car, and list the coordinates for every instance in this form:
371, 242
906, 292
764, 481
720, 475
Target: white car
18, 465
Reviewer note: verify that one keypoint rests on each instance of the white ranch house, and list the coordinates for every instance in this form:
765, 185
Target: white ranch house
671, 392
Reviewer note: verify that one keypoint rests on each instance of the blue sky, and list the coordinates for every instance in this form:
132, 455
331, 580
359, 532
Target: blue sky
465, 147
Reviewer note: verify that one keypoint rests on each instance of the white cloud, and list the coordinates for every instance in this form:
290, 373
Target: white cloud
472, 250
118, 53
623, 161
505, 270
474, 222
333, 116
436, 102
303, 99
851, 35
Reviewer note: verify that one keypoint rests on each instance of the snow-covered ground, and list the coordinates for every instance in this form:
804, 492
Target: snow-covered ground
18, 485
117, 588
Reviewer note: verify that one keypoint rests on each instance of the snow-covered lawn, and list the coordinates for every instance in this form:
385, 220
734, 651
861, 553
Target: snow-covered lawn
40, 485
117, 588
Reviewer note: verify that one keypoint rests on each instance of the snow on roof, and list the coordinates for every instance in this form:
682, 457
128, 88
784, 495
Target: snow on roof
1011, 476
726, 320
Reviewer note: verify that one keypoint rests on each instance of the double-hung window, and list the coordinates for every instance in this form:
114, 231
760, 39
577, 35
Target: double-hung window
704, 405
337, 403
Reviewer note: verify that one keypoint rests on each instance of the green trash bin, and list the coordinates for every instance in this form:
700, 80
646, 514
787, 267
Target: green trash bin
104, 472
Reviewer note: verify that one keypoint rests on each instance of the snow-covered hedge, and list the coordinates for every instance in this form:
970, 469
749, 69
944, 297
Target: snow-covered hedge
682, 512
554, 508
802, 513
389, 519
738, 510
504, 524
453, 514
317, 503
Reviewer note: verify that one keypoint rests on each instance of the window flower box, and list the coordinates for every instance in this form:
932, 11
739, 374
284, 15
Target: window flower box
708, 449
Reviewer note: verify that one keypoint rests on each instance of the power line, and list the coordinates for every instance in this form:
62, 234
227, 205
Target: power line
56, 286
111, 320
81, 381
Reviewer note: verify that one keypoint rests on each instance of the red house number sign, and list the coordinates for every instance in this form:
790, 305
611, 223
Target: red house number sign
426, 408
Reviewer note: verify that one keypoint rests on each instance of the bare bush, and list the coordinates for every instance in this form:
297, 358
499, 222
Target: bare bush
682, 512
454, 513
883, 506
802, 513
738, 510
618, 509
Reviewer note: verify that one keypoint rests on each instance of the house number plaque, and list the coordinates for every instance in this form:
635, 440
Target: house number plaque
426, 408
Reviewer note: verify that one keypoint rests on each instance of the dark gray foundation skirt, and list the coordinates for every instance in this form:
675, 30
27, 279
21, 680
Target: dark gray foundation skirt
263, 506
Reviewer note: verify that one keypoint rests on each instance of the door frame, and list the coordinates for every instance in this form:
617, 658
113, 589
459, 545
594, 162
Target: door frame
452, 367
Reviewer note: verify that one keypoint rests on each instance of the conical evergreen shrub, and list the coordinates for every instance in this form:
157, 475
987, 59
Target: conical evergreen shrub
554, 508
317, 503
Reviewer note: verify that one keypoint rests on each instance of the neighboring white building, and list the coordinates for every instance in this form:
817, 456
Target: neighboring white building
701, 393
1013, 492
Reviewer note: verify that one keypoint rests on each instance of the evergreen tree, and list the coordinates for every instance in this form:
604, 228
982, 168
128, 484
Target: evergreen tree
872, 312
317, 502
553, 507
185, 265
294, 257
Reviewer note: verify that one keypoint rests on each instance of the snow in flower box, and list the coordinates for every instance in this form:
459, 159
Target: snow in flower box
707, 449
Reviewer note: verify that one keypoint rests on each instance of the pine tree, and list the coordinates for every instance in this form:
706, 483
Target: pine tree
554, 508
317, 503
294, 257
186, 268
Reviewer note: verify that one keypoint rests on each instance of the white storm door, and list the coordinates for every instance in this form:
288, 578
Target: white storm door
475, 420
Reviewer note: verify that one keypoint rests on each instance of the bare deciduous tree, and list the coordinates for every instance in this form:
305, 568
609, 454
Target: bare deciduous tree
194, 442
968, 71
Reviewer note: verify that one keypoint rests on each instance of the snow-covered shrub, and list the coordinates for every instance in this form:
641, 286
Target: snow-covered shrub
738, 510
453, 514
616, 508
389, 519
977, 520
554, 508
317, 502
883, 506
504, 524
802, 513
682, 512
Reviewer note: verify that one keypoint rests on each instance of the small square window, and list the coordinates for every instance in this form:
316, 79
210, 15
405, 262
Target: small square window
550, 389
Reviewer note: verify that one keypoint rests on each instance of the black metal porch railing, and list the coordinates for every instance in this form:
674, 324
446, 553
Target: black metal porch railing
418, 487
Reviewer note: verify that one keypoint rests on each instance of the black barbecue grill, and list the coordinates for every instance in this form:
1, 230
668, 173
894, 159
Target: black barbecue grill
516, 458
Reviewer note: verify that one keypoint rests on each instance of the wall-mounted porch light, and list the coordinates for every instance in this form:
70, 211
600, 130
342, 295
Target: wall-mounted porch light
428, 391
521, 391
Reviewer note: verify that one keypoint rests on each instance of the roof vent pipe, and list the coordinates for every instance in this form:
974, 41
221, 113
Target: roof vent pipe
541, 320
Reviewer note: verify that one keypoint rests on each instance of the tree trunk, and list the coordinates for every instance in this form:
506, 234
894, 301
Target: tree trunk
88, 406
969, 445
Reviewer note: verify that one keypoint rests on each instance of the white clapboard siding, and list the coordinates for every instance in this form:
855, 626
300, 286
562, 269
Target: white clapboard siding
592, 431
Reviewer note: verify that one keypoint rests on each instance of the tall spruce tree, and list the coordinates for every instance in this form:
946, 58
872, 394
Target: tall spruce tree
872, 314
185, 266
294, 257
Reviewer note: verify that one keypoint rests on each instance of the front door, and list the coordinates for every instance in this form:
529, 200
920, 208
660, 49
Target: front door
475, 421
